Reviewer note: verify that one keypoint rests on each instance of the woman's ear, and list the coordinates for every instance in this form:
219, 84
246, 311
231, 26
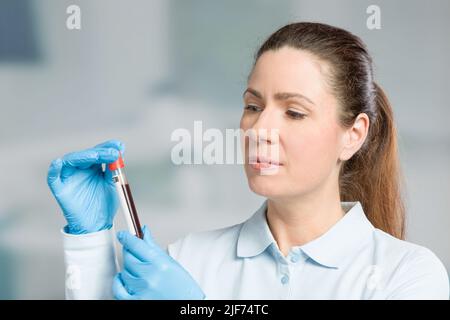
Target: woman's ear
354, 137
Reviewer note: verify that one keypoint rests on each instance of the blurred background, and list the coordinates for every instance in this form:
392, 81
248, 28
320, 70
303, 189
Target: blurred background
137, 70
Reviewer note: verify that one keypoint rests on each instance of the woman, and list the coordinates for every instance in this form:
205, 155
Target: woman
333, 222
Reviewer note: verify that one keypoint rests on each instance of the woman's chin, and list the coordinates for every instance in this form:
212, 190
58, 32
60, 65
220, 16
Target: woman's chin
263, 186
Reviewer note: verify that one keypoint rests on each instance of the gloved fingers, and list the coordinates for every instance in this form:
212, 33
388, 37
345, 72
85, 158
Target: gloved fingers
53, 175
132, 284
113, 143
108, 176
119, 290
86, 159
150, 240
148, 237
118, 145
142, 250
135, 266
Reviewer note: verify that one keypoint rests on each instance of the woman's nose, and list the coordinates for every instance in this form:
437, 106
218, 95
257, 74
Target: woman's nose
266, 128
261, 136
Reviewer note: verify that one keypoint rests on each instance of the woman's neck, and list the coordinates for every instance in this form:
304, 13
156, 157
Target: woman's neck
295, 222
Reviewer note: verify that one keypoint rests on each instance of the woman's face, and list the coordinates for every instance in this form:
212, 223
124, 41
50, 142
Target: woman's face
287, 91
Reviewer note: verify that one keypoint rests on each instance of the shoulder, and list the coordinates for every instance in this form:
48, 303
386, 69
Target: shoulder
204, 241
417, 272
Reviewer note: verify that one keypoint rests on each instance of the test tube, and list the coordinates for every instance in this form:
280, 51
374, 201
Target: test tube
126, 199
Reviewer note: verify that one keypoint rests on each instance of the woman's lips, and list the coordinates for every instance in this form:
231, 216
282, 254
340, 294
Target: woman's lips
261, 163
264, 166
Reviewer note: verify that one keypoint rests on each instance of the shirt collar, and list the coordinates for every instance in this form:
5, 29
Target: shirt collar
339, 242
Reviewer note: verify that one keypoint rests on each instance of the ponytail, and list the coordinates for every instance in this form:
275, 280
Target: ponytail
373, 176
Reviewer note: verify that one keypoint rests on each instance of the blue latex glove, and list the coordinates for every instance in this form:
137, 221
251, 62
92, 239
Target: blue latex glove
150, 273
84, 192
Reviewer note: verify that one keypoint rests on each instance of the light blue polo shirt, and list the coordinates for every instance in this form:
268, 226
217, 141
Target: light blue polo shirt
352, 260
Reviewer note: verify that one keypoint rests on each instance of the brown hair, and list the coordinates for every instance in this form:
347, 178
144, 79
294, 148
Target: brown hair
372, 175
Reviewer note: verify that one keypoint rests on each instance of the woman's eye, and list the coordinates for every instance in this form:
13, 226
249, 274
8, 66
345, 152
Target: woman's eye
295, 115
253, 108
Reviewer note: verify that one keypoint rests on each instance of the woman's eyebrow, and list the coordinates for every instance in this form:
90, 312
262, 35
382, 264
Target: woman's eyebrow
253, 92
288, 95
279, 95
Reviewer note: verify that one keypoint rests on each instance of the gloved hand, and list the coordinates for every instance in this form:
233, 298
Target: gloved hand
150, 273
84, 192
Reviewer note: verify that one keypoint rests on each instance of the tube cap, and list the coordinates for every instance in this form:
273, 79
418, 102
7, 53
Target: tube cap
116, 164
